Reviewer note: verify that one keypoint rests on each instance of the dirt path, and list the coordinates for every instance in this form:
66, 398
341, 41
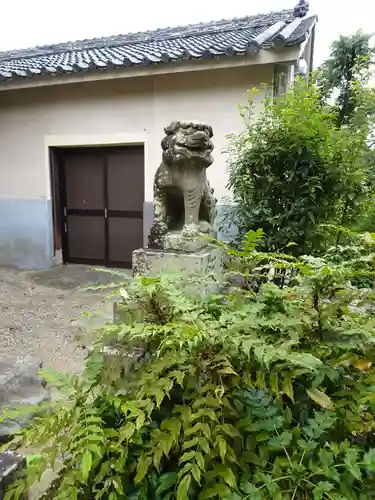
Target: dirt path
36, 309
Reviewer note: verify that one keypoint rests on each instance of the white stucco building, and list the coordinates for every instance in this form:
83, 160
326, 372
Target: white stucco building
81, 125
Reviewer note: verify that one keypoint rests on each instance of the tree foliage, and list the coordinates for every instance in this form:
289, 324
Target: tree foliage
348, 64
233, 395
343, 80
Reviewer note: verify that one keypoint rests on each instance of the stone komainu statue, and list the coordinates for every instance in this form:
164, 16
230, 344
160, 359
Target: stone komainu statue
184, 205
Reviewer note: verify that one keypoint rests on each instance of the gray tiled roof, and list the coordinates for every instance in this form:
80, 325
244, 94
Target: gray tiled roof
237, 36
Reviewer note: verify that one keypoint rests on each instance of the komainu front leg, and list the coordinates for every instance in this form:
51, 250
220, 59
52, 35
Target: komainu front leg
159, 228
192, 200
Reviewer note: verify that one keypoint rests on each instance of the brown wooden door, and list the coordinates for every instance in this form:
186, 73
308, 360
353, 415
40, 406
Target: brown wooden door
104, 189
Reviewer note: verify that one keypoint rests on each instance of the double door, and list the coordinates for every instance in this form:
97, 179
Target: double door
103, 191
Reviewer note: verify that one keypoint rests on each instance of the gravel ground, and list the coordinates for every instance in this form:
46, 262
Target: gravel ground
36, 313
36, 309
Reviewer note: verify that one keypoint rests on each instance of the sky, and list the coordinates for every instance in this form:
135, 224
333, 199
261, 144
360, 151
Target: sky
29, 23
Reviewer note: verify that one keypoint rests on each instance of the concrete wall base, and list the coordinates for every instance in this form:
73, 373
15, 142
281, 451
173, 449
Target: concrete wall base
26, 233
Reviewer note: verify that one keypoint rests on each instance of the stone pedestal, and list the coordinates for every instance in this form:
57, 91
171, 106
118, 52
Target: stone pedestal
207, 263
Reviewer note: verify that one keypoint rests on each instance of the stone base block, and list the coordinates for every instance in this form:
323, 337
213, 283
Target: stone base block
20, 385
207, 263
11, 468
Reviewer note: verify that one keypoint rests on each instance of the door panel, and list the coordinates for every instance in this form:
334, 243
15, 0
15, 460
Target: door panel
84, 178
125, 182
86, 237
125, 179
124, 234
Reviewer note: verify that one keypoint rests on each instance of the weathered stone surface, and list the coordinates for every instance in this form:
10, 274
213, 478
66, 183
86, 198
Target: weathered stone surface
206, 263
20, 384
184, 205
11, 466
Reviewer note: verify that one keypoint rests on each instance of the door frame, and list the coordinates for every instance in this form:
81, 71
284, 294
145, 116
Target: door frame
54, 171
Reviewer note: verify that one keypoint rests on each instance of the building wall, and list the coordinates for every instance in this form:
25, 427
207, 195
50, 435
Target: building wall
104, 112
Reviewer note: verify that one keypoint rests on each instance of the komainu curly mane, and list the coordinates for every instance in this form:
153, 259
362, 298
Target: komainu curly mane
184, 205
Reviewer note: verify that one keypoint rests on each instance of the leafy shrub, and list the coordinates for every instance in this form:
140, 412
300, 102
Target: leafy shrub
292, 170
235, 395
355, 252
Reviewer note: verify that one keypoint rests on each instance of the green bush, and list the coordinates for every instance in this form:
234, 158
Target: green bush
292, 169
235, 395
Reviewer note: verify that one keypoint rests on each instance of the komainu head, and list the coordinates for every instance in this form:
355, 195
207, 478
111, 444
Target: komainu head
188, 141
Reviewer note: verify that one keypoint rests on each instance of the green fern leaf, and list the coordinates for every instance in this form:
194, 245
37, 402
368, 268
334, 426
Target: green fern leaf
86, 464
222, 446
190, 444
187, 456
321, 398
183, 487
142, 468
287, 388
196, 473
